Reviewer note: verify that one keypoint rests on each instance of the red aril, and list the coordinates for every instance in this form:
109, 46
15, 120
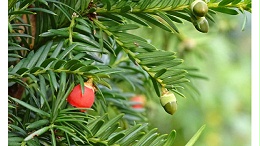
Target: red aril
79, 100
139, 101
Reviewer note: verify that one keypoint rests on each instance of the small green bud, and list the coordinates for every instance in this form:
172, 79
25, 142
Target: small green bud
202, 25
170, 107
169, 102
199, 8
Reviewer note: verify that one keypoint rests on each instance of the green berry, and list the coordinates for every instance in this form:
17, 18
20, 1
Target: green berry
199, 8
169, 102
202, 25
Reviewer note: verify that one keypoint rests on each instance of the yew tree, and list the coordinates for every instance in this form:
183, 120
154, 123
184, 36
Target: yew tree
74, 66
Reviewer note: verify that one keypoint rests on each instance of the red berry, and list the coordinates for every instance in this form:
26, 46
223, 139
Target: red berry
139, 101
79, 100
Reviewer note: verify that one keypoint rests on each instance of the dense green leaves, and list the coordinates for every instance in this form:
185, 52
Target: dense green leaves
55, 45
26, 105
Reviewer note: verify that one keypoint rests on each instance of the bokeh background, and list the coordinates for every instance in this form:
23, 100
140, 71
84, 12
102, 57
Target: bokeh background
222, 58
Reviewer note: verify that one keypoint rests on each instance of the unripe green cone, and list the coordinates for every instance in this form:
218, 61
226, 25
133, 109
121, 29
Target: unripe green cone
199, 8
170, 107
169, 102
202, 25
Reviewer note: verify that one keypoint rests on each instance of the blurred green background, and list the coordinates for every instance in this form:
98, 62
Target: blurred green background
224, 101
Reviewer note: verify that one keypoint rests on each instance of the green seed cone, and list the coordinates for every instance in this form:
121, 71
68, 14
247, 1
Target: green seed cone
170, 107
169, 103
199, 8
202, 25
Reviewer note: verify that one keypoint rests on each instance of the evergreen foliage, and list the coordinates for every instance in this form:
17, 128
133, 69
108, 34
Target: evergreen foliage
55, 45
